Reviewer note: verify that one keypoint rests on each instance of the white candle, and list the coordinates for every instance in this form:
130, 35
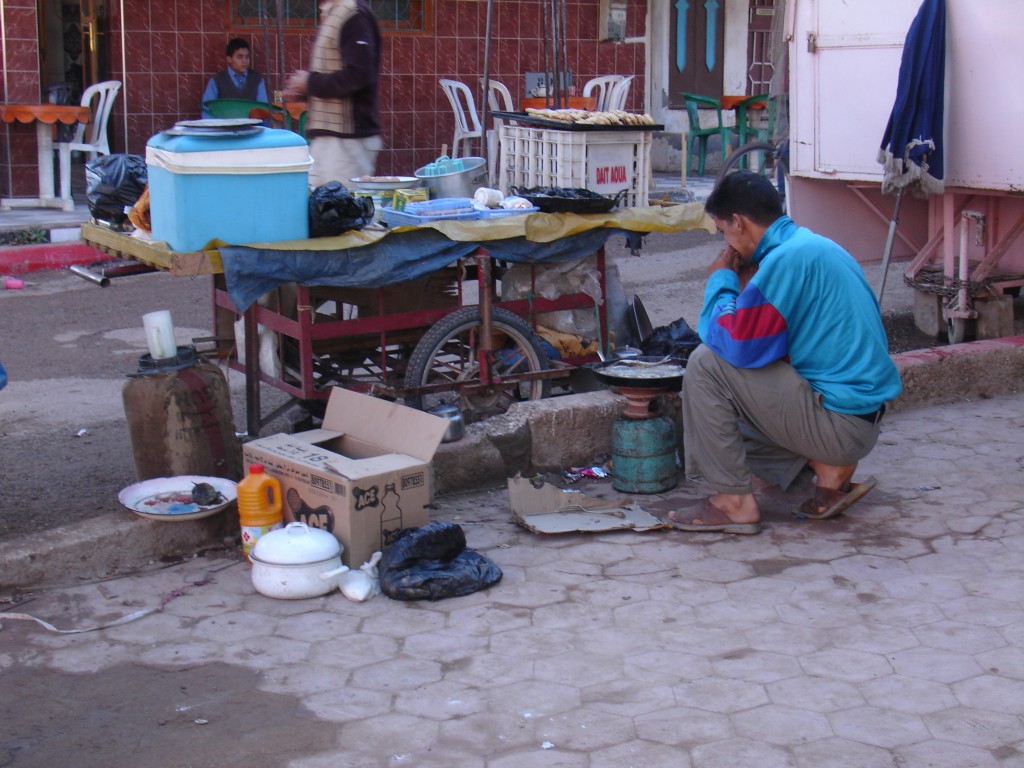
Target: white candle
160, 334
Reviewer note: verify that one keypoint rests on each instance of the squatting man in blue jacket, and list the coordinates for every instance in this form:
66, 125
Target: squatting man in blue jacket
794, 370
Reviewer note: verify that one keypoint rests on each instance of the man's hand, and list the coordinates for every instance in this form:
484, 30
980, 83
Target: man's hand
297, 86
746, 272
727, 258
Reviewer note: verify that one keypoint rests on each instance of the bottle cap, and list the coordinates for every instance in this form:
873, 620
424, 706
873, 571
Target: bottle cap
256, 469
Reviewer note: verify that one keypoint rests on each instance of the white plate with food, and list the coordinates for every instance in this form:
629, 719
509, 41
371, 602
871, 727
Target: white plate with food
184, 497
385, 182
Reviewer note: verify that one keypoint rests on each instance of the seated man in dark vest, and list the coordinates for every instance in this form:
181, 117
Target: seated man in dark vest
237, 80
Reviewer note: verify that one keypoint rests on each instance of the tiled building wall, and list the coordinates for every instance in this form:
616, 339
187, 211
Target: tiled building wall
20, 83
171, 48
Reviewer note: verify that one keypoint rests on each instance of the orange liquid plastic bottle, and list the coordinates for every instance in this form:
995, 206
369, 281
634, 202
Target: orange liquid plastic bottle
259, 506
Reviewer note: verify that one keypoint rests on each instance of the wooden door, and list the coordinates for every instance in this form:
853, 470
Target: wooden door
696, 49
95, 32
759, 59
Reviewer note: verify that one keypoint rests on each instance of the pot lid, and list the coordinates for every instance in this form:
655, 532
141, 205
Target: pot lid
296, 544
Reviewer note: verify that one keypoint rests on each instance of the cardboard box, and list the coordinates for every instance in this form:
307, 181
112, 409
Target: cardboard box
541, 507
402, 197
363, 476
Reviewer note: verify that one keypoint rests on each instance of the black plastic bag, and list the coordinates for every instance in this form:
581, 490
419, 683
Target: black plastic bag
333, 210
114, 183
677, 340
60, 93
433, 562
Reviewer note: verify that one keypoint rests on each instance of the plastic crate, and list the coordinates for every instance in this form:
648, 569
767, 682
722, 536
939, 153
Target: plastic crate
605, 162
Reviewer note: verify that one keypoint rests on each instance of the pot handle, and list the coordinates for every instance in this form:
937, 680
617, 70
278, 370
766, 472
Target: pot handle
332, 573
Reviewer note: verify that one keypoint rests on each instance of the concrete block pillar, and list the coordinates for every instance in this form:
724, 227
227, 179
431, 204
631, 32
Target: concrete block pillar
928, 313
995, 317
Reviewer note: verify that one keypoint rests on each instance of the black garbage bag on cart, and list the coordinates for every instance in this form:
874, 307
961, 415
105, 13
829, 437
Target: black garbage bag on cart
676, 340
333, 210
433, 562
114, 183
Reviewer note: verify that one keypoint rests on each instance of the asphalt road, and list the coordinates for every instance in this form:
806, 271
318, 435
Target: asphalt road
69, 344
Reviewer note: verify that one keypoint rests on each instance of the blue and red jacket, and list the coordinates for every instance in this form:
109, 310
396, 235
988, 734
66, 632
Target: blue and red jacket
808, 304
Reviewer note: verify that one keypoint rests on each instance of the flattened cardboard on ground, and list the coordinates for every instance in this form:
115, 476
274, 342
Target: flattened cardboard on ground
363, 476
549, 509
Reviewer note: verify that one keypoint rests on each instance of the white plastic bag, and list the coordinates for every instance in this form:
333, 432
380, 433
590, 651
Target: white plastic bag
363, 584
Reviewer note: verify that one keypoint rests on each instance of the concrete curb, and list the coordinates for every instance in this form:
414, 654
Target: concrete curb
546, 435
22, 259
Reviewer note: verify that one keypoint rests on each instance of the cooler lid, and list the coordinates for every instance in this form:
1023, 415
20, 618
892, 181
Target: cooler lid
217, 141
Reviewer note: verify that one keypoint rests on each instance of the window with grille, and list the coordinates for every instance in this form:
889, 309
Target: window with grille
402, 15
392, 15
256, 13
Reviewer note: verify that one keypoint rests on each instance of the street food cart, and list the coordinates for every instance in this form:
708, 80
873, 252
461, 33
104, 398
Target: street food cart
419, 331
963, 245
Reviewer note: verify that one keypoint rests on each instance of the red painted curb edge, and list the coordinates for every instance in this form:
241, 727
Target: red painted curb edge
21, 259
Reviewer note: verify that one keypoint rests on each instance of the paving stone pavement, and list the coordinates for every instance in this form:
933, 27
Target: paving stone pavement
892, 636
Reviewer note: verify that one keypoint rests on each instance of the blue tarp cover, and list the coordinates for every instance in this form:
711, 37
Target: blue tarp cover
371, 259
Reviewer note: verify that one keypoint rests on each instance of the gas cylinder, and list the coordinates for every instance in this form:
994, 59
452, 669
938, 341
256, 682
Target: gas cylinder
179, 418
644, 455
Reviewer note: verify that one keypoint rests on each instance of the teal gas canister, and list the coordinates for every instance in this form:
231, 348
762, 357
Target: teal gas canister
644, 455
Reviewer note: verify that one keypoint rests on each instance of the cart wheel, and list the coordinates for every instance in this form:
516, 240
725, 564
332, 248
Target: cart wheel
447, 354
956, 329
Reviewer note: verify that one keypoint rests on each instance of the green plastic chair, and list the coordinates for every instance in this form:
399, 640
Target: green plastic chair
694, 103
749, 126
226, 108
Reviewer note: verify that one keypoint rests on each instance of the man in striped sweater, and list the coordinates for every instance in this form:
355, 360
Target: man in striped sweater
341, 85
794, 370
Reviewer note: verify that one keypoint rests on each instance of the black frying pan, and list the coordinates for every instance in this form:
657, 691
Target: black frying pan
617, 372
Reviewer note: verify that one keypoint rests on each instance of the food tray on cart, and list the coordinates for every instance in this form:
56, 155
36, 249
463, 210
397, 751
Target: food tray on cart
432, 210
497, 213
564, 125
569, 199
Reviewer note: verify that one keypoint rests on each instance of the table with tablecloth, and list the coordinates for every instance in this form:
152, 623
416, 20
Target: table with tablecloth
44, 116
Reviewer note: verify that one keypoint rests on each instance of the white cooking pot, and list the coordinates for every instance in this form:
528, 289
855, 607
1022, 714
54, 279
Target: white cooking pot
296, 562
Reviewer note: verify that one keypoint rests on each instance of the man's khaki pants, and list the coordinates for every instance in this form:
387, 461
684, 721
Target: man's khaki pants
740, 422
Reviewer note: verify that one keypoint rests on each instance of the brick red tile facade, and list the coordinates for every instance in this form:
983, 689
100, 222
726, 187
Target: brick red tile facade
171, 48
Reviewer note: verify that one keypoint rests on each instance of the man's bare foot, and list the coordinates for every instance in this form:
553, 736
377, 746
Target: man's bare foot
741, 508
835, 478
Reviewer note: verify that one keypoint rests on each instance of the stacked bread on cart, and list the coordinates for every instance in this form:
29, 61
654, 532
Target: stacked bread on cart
587, 117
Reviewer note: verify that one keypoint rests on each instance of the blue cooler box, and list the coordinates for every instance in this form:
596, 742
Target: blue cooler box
240, 189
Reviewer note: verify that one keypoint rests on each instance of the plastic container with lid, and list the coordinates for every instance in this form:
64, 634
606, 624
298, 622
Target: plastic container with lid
239, 187
259, 507
296, 562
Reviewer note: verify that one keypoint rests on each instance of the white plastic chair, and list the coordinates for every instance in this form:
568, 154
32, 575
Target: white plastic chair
604, 86
619, 92
499, 99
467, 119
91, 137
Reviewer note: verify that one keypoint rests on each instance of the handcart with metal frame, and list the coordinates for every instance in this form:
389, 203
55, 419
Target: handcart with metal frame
429, 327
